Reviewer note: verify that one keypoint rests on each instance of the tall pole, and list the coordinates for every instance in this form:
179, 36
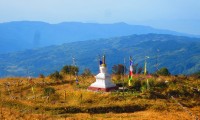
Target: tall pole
124, 73
73, 61
145, 64
76, 72
157, 60
104, 60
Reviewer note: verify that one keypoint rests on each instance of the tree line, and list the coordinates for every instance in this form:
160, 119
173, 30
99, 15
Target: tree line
119, 69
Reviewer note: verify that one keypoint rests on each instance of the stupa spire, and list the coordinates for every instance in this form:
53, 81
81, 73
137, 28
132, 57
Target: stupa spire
104, 61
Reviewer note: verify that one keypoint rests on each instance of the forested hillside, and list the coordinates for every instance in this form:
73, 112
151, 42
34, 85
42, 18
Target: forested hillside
179, 54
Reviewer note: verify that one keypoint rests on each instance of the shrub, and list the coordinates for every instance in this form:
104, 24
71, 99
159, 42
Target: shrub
160, 84
86, 73
151, 82
68, 69
56, 76
147, 85
137, 85
163, 71
49, 91
118, 69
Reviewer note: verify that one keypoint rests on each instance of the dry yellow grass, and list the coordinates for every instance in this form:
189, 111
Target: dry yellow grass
140, 115
18, 101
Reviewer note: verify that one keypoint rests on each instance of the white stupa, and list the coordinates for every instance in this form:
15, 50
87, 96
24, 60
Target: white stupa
103, 80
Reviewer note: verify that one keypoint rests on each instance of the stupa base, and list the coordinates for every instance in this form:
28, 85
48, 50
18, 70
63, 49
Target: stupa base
102, 89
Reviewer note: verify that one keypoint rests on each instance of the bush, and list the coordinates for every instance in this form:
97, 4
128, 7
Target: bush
151, 82
118, 69
163, 71
137, 85
160, 84
56, 76
49, 91
147, 86
68, 69
86, 73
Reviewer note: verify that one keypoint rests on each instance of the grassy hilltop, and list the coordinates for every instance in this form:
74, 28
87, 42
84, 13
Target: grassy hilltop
168, 97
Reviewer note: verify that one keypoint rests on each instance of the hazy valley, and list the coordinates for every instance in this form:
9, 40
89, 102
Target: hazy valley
179, 54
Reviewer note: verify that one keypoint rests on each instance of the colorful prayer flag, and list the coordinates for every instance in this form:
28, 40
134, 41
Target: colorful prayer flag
130, 72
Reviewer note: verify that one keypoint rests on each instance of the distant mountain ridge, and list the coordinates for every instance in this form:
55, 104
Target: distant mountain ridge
179, 54
21, 35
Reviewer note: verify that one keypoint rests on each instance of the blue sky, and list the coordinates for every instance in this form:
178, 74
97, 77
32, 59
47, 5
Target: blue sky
178, 15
